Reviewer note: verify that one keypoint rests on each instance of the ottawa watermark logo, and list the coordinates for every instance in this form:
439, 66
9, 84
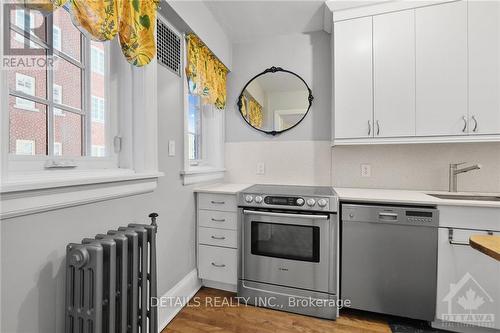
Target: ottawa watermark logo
469, 304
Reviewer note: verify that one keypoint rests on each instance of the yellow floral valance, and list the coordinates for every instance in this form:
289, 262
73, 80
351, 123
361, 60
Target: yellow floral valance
205, 73
252, 111
102, 20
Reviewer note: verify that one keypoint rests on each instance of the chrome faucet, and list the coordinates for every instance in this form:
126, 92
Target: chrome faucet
454, 171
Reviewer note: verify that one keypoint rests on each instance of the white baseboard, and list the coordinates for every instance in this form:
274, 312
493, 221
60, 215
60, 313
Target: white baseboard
185, 289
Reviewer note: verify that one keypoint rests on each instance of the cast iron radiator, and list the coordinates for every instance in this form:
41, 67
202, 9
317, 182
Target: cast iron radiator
110, 280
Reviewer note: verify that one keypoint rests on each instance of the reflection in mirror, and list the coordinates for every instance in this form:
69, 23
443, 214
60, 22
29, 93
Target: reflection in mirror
275, 101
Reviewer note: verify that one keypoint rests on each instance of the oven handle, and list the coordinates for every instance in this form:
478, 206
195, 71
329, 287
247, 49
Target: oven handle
302, 216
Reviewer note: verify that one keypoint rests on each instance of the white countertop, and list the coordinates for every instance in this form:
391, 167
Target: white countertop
409, 197
222, 188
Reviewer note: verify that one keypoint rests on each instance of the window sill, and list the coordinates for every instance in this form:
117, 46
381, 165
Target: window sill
201, 174
30, 196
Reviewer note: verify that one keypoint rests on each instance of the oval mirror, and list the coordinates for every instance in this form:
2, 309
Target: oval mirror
275, 101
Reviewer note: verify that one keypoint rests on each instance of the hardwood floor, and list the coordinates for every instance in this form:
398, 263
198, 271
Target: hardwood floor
201, 316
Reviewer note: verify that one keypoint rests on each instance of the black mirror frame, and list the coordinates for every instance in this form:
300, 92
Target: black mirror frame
274, 70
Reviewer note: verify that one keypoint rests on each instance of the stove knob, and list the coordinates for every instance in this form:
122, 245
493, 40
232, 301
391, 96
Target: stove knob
322, 202
311, 202
300, 202
258, 199
248, 198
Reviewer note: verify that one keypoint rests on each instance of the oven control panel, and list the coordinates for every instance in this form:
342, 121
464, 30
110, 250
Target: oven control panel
295, 202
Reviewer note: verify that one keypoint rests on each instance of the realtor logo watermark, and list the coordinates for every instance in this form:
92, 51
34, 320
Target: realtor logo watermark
25, 48
469, 304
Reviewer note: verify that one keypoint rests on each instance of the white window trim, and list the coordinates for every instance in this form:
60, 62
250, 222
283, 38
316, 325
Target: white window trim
201, 172
21, 106
33, 146
27, 193
95, 69
98, 120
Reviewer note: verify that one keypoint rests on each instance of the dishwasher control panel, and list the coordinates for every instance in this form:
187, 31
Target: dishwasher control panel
407, 215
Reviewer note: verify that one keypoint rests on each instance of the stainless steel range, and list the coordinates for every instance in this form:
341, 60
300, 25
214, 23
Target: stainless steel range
289, 248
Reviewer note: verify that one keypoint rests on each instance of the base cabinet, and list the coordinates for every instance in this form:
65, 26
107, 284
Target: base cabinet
217, 240
468, 285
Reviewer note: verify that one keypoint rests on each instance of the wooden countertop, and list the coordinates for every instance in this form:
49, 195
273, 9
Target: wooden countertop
488, 244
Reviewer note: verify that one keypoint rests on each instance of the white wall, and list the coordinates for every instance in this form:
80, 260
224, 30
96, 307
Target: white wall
302, 155
421, 167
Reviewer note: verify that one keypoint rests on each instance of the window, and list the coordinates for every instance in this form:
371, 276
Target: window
25, 147
97, 109
63, 120
204, 137
25, 84
98, 151
57, 149
56, 37
97, 56
194, 129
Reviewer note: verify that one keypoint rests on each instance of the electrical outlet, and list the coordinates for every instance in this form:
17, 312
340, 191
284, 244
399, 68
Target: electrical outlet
366, 170
171, 148
261, 168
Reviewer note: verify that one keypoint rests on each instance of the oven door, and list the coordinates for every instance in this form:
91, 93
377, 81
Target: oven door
287, 249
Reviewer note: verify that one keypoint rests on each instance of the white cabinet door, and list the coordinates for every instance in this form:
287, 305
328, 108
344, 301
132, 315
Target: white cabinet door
484, 67
468, 282
394, 74
353, 78
441, 69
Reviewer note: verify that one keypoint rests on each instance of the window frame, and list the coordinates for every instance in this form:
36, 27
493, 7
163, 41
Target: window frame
37, 163
19, 105
24, 141
210, 166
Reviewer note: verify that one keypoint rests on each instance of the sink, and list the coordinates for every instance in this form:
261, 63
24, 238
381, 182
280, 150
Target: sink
466, 197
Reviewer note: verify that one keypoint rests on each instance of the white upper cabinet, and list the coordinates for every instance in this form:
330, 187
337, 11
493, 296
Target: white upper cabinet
394, 74
353, 78
441, 69
484, 67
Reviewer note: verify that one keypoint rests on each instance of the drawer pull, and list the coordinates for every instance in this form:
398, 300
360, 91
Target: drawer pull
218, 265
218, 202
218, 237
218, 220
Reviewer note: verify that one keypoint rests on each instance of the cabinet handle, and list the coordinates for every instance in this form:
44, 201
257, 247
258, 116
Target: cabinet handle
475, 123
218, 265
378, 128
218, 220
218, 237
454, 242
369, 128
464, 118
218, 202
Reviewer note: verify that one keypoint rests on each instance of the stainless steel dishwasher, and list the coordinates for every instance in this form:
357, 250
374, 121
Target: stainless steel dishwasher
389, 259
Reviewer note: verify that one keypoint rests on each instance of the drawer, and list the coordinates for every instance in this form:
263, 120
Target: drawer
217, 264
216, 219
217, 237
222, 202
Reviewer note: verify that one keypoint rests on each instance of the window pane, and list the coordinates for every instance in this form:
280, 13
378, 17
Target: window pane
98, 100
29, 78
68, 134
69, 78
27, 128
66, 37
194, 128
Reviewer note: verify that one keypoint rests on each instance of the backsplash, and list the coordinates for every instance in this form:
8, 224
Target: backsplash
419, 167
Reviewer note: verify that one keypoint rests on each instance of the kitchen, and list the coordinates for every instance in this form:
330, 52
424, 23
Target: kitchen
363, 167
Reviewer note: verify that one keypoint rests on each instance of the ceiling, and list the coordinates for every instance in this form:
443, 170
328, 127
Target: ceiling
245, 20
249, 20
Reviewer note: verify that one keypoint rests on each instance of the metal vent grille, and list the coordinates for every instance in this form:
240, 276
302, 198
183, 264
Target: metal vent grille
169, 47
